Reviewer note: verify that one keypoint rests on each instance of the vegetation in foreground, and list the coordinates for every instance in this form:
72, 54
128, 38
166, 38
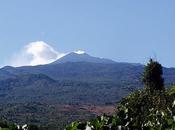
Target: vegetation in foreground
152, 108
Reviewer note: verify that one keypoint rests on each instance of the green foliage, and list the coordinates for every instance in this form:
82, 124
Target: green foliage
3, 124
144, 109
27, 127
73, 126
6, 126
12, 127
149, 109
171, 91
140, 110
33, 127
152, 76
5, 129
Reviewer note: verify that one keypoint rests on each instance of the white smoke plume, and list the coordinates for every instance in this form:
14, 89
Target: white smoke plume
35, 53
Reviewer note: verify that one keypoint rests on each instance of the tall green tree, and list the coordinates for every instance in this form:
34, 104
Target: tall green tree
152, 76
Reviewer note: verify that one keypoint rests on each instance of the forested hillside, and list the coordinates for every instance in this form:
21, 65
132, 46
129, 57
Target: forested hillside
152, 108
53, 96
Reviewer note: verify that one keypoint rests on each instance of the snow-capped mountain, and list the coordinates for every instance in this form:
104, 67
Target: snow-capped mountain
81, 56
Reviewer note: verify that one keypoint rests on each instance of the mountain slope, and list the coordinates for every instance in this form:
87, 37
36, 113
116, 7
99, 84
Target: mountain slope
67, 84
41, 88
73, 82
83, 57
75, 78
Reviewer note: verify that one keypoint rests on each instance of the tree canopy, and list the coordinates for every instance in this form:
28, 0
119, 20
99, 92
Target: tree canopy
152, 76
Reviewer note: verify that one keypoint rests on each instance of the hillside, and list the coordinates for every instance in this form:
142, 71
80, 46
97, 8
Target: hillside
86, 86
152, 108
53, 83
51, 104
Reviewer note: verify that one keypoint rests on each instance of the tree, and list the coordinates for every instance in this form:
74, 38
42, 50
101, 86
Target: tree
13, 127
33, 127
152, 76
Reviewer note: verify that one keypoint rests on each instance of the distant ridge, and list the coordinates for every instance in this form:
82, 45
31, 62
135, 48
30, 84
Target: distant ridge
82, 57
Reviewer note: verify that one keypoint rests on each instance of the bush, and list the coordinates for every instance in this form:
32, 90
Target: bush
152, 108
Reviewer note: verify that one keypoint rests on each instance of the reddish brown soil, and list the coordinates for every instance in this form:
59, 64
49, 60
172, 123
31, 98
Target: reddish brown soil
97, 110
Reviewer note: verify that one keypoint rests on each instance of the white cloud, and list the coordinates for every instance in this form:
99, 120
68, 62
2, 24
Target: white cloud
35, 53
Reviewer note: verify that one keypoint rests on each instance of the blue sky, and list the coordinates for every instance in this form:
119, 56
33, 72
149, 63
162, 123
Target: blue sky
122, 30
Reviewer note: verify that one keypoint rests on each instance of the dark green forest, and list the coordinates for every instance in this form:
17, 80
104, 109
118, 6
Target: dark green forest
151, 107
